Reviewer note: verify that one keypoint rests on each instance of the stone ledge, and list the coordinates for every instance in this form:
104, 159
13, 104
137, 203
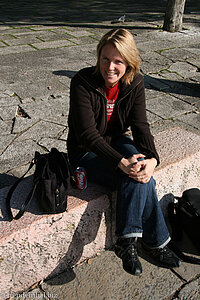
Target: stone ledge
40, 246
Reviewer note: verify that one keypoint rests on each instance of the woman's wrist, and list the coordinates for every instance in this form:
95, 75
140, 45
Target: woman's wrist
123, 164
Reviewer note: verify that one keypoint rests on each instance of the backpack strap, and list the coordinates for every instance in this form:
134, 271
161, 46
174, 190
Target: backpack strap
175, 220
28, 199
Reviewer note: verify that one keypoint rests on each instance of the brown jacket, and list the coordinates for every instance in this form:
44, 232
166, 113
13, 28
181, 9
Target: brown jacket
88, 121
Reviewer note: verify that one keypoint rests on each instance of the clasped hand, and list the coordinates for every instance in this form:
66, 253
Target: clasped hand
139, 170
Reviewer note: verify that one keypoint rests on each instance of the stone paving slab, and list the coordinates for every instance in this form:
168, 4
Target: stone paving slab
60, 143
189, 94
8, 112
184, 69
192, 119
153, 62
6, 140
151, 93
7, 101
194, 61
83, 40
104, 278
52, 44
2, 44
154, 45
54, 106
152, 117
16, 49
179, 54
169, 75
190, 291
37, 71
187, 271
6, 128
20, 41
15, 156
197, 105
40, 130
168, 107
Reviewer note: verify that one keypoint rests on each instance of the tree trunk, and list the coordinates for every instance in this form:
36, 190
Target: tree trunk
174, 15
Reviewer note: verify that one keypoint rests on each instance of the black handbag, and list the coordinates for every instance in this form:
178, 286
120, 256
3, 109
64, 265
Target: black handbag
184, 215
50, 183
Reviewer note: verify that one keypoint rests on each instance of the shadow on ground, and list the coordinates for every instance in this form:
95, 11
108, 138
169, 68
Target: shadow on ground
85, 233
172, 86
76, 11
6, 180
158, 84
84, 11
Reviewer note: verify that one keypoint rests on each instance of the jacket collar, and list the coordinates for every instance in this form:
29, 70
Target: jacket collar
97, 82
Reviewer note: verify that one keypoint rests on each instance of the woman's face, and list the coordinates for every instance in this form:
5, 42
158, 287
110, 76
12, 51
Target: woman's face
112, 65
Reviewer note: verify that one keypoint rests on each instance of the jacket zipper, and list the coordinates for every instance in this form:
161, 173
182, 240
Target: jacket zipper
96, 89
120, 100
117, 104
105, 100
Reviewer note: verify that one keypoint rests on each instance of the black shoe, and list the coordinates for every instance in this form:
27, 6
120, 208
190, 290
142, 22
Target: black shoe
126, 249
164, 256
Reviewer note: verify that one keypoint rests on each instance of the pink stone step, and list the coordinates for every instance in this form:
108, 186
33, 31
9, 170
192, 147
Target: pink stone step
180, 161
37, 246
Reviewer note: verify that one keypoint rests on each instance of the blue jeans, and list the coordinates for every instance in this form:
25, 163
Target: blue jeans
138, 212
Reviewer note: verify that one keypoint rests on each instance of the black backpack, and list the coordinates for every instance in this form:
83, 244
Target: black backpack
184, 215
50, 183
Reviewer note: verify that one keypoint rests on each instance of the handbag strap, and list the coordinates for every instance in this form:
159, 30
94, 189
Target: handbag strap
71, 173
64, 161
28, 199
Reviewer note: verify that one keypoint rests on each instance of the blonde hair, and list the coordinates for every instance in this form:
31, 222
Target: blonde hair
124, 42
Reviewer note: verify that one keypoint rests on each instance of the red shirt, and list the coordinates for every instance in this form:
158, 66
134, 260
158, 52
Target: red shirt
111, 96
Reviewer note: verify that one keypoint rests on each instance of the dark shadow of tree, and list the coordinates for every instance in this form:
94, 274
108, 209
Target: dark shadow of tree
66, 12
158, 84
172, 86
70, 12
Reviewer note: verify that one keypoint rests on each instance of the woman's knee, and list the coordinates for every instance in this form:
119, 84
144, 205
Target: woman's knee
125, 145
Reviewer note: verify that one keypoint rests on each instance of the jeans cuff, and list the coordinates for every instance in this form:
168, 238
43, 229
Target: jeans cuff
161, 246
132, 234
165, 243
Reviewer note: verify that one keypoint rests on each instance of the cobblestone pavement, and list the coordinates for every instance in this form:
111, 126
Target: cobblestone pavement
41, 48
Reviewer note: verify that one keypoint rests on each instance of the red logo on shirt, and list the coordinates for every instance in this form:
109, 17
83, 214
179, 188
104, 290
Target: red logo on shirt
111, 96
